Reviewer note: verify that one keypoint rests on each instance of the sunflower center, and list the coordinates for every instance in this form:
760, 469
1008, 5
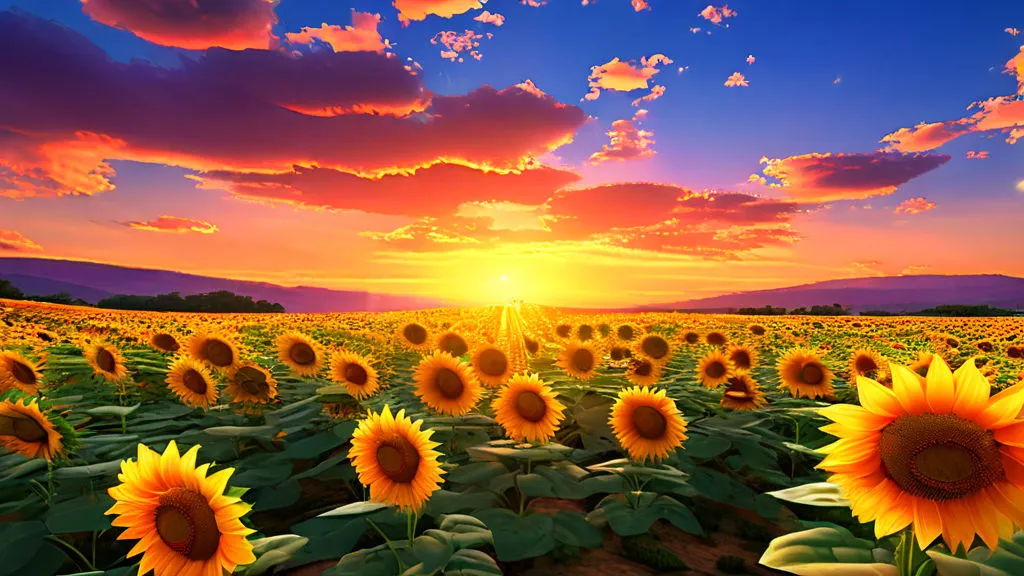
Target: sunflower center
715, 370
253, 381
585, 332
187, 524
563, 330
691, 337
166, 342
356, 374
531, 345
583, 360
716, 339
940, 456
616, 354
649, 422
302, 354
454, 345
105, 360
493, 362
655, 347
398, 459
23, 373
218, 353
194, 381
531, 406
741, 358
22, 427
449, 383
415, 333
865, 364
625, 333
737, 388
644, 368
812, 374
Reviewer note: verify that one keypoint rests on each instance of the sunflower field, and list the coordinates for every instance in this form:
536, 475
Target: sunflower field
508, 440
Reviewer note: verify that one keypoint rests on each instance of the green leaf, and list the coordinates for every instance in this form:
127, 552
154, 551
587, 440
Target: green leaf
814, 494
118, 411
110, 468
573, 529
472, 499
476, 473
701, 446
378, 561
1006, 560
517, 538
272, 552
536, 486
311, 447
471, 563
504, 450
827, 551
277, 497
82, 514
355, 509
19, 542
631, 520
433, 549
243, 431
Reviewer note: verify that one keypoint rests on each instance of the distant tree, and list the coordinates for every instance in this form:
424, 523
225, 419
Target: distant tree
878, 313
762, 311
9, 291
963, 310
222, 301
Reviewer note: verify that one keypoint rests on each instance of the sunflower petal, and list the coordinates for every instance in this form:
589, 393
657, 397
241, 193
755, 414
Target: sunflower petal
909, 389
972, 391
939, 388
878, 399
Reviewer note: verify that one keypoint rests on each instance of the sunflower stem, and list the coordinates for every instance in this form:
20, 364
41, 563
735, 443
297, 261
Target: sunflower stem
78, 557
387, 542
909, 556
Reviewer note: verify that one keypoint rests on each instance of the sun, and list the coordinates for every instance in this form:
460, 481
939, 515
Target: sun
504, 278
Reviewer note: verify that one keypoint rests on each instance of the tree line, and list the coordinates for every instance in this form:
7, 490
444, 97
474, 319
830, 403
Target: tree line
222, 301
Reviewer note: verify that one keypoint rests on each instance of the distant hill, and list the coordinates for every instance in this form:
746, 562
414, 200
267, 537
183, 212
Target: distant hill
890, 293
92, 282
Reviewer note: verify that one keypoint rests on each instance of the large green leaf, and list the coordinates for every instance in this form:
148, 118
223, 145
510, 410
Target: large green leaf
1006, 560
517, 538
471, 563
702, 446
636, 516
827, 551
814, 494
272, 552
573, 529
82, 514
377, 561
19, 542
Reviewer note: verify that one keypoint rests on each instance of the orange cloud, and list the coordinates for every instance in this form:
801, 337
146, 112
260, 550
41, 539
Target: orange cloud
361, 36
913, 269
924, 136
174, 224
717, 15
736, 79
628, 142
455, 44
638, 5
410, 10
656, 92
31, 166
1020, 186
11, 241
914, 206
488, 18
1012, 31
232, 24
972, 155
534, 3
829, 177
624, 76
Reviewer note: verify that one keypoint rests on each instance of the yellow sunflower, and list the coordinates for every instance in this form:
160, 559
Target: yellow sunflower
619, 353
25, 430
300, 353
192, 382
691, 337
655, 347
250, 383
743, 393
217, 350
584, 332
453, 343
803, 373
532, 345
446, 384
184, 522
940, 453
356, 373
715, 338
643, 371
714, 369
19, 373
627, 332
527, 409
647, 423
491, 366
743, 357
868, 363
563, 331
164, 342
396, 459
579, 360
414, 335
106, 361
920, 366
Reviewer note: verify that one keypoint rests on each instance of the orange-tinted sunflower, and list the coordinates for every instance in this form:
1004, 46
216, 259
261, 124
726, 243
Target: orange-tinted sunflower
867, 363
714, 369
643, 371
527, 409
619, 353
691, 337
579, 360
184, 522
106, 361
446, 384
216, 350
715, 338
192, 382
743, 393
19, 373
532, 345
491, 366
584, 332
647, 423
396, 459
453, 343
356, 373
413, 335
939, 453
563, 331
26, 430
250, 383
627, 332
164, 342
924, 360
743, 357
300, 353
803, 373
655, 347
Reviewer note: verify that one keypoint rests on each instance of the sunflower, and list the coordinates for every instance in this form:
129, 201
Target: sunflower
563, 330
106, 361
491, 366
216, 350
627, 332
19, 373
803, 373
301, 353
643, 371
192, 382
184, 522
939, 453
617, 353
527, 409
920, 366
584, 332
25, 429
743, 358
578, 360
252, 384
396, 459
647, 423
413, 335
164, 342
453, 344
715, 338
532, 345
356, 373
691, 337
446, 384
714, 369
743, 393
868, 363
757, 330
655, 347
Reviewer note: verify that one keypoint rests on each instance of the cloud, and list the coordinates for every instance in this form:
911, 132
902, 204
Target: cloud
11, 241
506, 215
628, 142
972, 155
717, 15
174, 224
361, 36
827, 177
488, 18
415, 10
534, 3
454, 44
924, 136
638, 5
736, 79
1020, 186
913, 269
751, 59
624, 76
656, 92
69, 107
914, 206
190, 24
1012, 31
867, 266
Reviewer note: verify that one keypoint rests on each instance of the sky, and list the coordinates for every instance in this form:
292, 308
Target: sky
587, 153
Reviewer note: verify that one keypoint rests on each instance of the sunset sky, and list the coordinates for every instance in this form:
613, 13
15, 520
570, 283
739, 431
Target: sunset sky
568, 152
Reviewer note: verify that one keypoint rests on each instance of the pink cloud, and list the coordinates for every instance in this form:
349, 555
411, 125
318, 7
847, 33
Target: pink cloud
534, 3
488, 18
736, 79
717, 15
656, 92
751, 59
361, 36
914, 206
638, 5
454, 44
628, 142
972, 155
624, 76
415, 10
924, 136
174, 224
1012, 31
12, 241
190, 24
